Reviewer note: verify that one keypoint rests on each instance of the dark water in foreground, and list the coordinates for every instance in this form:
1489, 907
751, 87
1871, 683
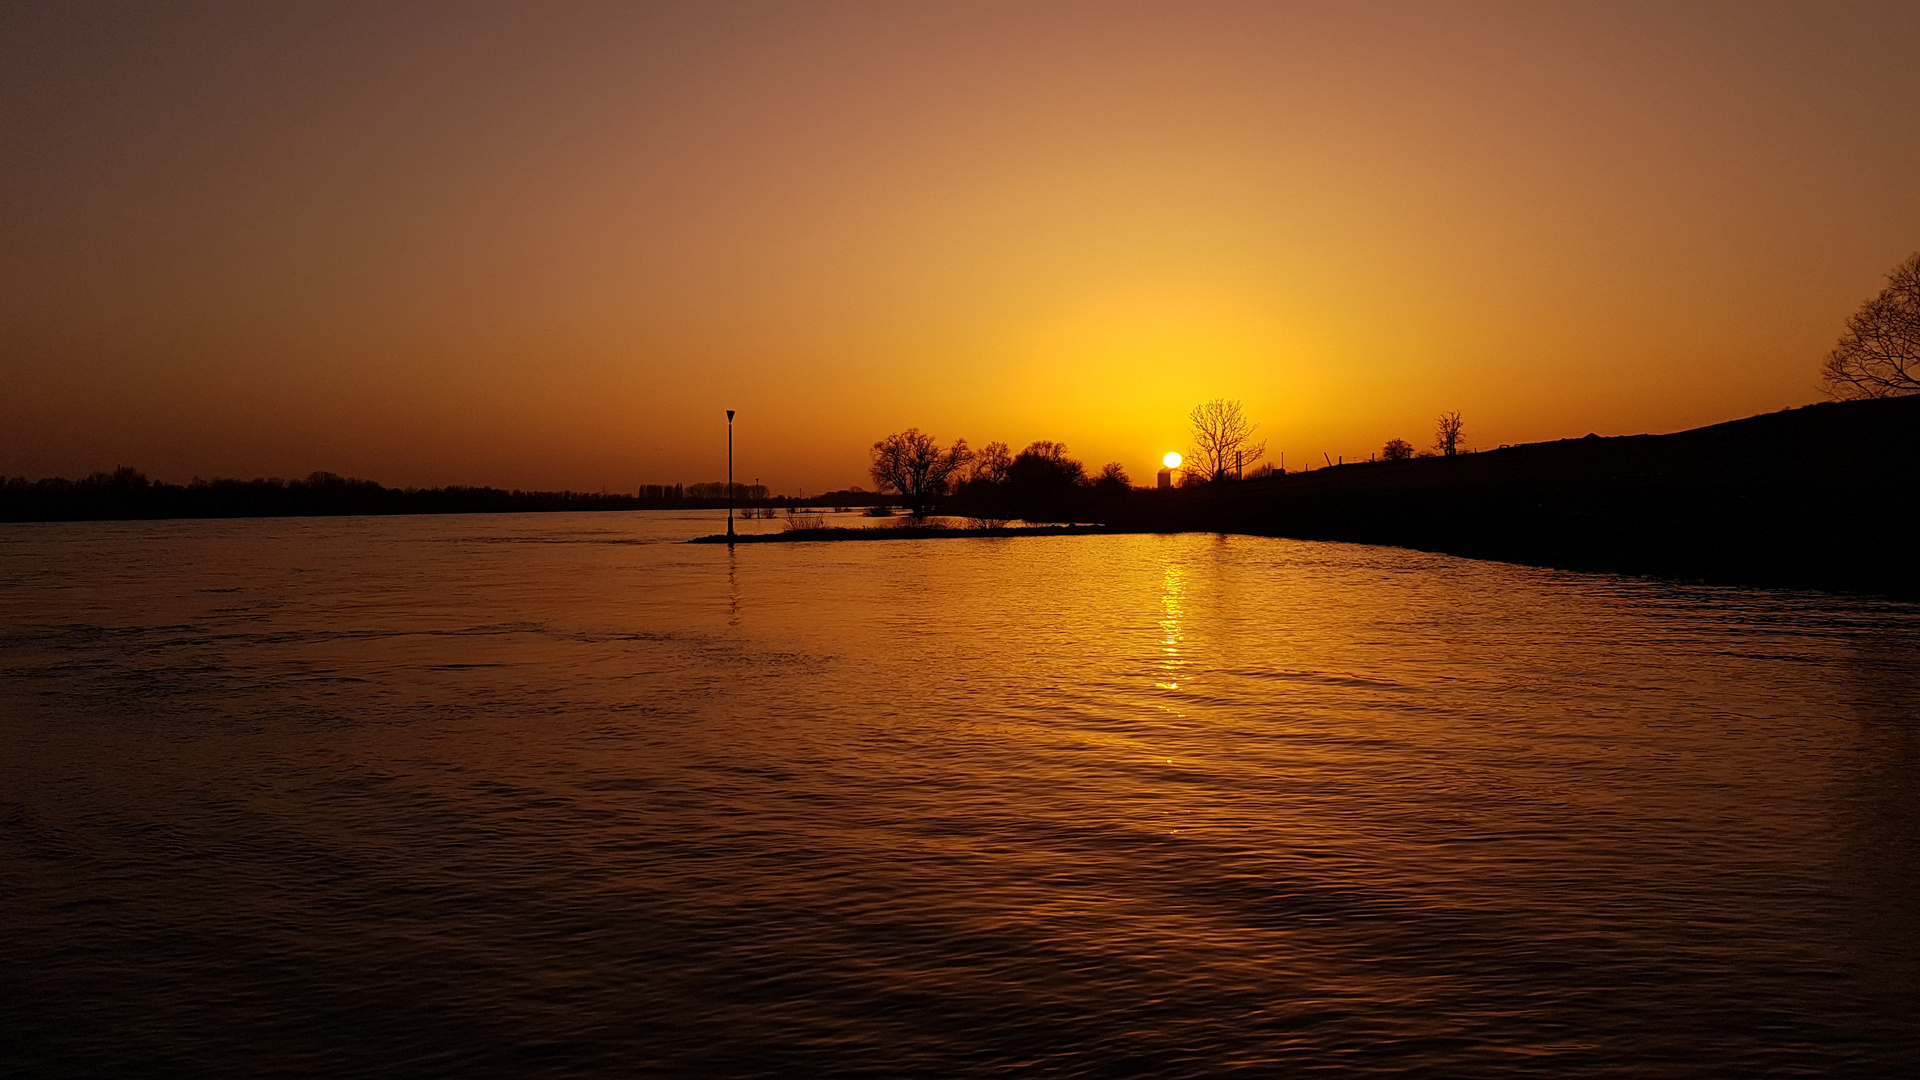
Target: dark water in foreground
552, 795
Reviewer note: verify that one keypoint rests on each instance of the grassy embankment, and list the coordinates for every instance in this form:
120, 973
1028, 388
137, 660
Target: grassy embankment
1823, 497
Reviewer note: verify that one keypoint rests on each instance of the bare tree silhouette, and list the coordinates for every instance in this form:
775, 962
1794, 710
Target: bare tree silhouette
990, 463
1222, 440
1879, 355
1447, 433
1396, 450
914, 466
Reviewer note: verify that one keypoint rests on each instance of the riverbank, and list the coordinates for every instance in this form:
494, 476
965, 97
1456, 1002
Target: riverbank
1821, 497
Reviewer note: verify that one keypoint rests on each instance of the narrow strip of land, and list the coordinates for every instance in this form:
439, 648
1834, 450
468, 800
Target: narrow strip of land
1821, 497
904, 532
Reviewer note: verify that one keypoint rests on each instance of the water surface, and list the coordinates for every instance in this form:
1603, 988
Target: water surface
559, 795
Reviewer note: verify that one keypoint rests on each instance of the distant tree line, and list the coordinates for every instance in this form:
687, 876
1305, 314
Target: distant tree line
680, 493
128, 494
1040, 483
1044, 482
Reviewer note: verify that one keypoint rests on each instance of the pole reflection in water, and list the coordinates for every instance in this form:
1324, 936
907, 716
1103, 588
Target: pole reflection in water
733, 587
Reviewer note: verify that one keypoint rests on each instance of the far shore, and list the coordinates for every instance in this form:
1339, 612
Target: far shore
1819, 497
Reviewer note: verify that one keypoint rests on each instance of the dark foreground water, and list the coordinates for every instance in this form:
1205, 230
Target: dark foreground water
555, 795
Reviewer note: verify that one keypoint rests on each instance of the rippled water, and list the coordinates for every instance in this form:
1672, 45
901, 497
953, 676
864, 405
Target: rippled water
541, 795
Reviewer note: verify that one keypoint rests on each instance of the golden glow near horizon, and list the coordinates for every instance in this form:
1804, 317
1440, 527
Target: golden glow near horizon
541, 247
1172, 460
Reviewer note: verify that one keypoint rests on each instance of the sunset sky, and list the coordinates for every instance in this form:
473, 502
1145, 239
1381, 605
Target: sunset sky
546, 245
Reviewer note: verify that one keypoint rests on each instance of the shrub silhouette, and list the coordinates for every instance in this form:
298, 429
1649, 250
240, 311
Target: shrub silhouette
1447, 428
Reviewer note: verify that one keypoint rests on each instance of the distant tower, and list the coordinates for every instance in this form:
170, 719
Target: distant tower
1165, 479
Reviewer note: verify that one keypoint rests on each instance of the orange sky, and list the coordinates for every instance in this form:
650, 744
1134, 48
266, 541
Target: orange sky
545, 245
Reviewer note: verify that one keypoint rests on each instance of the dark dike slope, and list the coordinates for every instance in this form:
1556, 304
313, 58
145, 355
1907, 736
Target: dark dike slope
1821, 497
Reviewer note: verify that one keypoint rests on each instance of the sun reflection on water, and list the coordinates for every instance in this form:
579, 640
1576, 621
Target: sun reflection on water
1172, 609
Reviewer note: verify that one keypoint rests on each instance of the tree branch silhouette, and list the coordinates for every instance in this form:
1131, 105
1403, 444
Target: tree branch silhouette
1879, 355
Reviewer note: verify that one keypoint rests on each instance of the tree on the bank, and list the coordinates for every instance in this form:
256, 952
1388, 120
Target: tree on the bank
1045, 483
1447, 433
1879, 356
915, 467
1222, 440
1113, 479
990, 464
1045, 466
1396, 450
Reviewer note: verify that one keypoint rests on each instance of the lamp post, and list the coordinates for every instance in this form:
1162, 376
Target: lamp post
729, 475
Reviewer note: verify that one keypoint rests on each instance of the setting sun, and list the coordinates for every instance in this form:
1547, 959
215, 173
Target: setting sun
1172, 460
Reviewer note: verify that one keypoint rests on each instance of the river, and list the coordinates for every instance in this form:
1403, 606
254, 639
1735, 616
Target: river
556, 795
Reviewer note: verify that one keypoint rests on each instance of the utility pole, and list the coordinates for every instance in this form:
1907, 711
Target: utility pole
729, 476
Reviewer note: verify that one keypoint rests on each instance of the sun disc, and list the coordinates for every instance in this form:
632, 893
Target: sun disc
1172, 460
